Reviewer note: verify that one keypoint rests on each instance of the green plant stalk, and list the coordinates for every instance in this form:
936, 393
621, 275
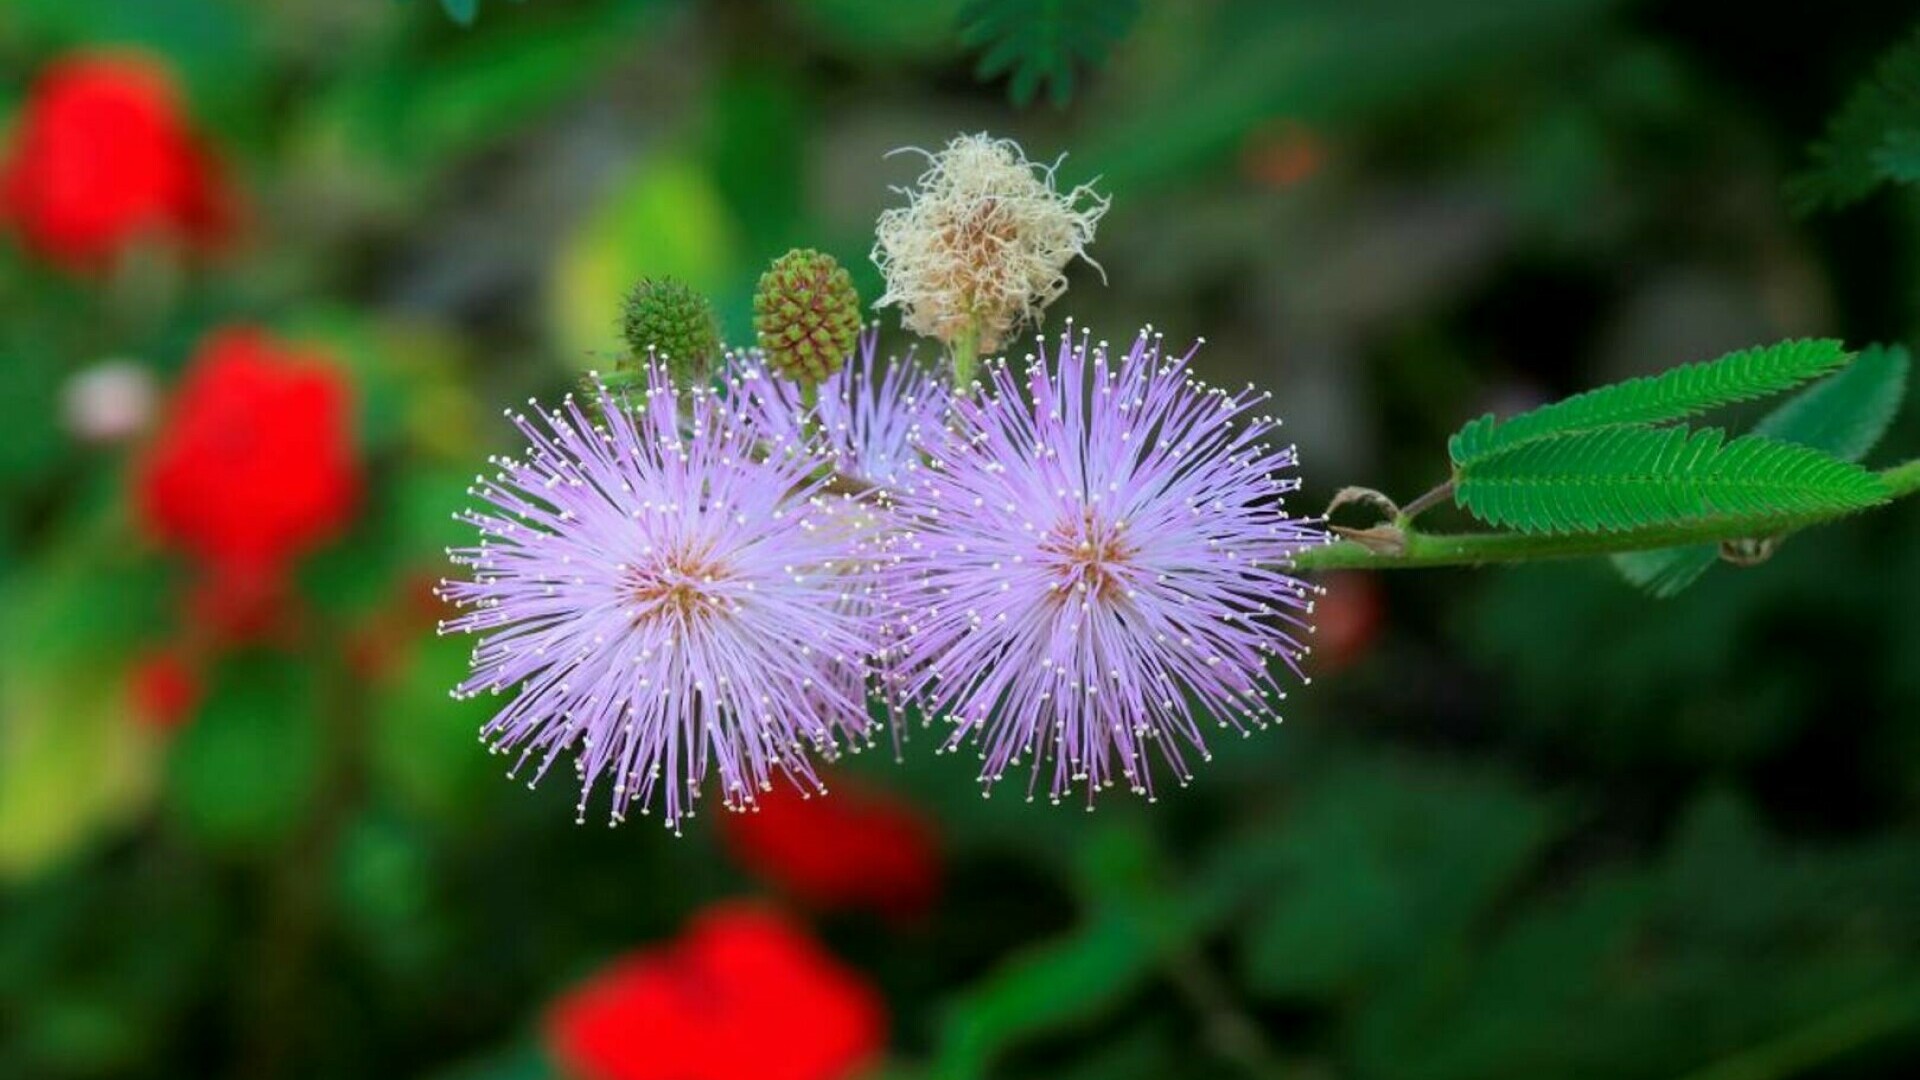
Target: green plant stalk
1826, 1039
966, 353
1424, 550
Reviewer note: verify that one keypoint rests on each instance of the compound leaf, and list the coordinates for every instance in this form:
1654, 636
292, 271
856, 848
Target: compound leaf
1873, 139
1844, 415
1036, 42
1627, 478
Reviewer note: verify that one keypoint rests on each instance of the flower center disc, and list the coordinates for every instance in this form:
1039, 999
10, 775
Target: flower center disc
1089, 555
680, 587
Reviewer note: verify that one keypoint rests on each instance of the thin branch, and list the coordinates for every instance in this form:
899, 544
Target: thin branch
1426, 502
1424, 550
1234, 1035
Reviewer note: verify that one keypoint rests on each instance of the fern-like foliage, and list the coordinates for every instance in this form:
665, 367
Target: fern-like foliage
1627, 478
1655, 399
1844, 415
1044, 42
1873, 139
1899, 157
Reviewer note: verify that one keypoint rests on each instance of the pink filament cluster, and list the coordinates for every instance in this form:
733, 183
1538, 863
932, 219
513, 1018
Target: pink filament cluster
667, 600
1076, 568
1098, 562
872, 416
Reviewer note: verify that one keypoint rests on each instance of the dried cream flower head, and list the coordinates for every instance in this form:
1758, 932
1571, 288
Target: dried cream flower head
983, 243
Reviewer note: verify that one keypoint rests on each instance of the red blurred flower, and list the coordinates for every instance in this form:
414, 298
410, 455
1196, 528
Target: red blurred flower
1282, 153
1346, 620
252, 468
853, 848
742, 995
165, 690
103, 156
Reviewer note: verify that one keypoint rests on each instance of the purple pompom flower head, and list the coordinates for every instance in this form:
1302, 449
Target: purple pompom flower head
1099, 564
871, 417
669, 594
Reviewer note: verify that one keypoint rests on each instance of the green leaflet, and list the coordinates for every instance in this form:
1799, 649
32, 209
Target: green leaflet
1873, 139
1135, 918
1656, 399
1069, 980
1664, 572
1898, 158
1627, 478
1044, 41
1845, 416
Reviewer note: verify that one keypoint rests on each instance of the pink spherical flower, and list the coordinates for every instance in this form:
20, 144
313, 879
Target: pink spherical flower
1098, 566
668, 595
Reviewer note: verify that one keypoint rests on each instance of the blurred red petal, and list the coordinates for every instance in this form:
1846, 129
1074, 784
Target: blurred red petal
165, 690
850, 849
1346, 619
103, 156
744, 994
254, 465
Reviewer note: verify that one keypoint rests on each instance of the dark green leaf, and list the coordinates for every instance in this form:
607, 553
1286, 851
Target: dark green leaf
1326, 65
1731, 948
1383, 863
1847, 414
1899, 157
1069, 980
1870, 141
245, 772
1135, 918
413, 108
520, 1061
461, 11
1044, 42
1666, 571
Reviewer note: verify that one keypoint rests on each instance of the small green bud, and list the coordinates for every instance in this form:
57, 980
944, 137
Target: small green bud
806, 315
678, 324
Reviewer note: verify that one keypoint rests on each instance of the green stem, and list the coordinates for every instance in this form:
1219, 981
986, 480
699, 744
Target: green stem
1480, 549
1233, 1034
1902, 479
1424, 503
1823, 1041
966, 353
275, 1031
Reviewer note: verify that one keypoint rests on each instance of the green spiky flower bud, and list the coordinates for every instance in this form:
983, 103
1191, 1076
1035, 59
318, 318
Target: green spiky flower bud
677, 323
806, 315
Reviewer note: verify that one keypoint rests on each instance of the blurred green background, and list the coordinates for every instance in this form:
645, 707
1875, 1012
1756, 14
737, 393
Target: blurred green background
1525, 823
